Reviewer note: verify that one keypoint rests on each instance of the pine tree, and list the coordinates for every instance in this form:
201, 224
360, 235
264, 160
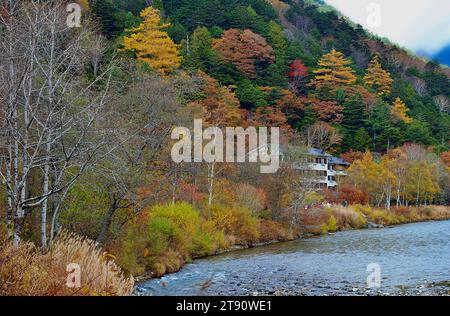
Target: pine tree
151, 44
198, 52
333, 72
378, 78
362, 140
106, 12
399, 111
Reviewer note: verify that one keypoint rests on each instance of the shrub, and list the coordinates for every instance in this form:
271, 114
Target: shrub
330, 226
236, 222
271, 230
166, 237
352, 195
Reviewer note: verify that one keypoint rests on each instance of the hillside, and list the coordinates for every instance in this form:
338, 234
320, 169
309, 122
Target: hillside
304, 32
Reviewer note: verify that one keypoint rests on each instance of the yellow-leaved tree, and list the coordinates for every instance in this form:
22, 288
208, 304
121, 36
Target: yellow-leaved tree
151, 44
378, 78
399, 111
334, 71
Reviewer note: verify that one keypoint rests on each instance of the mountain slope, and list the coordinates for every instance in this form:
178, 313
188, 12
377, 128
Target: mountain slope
301, 33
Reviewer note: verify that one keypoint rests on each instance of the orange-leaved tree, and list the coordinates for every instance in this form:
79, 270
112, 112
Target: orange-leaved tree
378, 78
151, 44
219, 106
244, 49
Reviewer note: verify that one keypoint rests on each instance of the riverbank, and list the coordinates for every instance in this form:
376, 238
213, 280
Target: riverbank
413, 260
332, 219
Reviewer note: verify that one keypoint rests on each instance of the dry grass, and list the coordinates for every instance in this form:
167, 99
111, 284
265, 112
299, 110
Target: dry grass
25, 271
348, 217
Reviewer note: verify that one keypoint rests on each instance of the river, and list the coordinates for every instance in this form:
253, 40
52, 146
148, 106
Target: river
414, 259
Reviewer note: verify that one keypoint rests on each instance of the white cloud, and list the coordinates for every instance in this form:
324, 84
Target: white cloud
414, 24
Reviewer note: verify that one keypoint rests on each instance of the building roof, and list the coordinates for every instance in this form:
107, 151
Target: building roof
338, 161
318, 152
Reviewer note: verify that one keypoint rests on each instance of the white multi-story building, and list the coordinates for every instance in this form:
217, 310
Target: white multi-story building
324, 168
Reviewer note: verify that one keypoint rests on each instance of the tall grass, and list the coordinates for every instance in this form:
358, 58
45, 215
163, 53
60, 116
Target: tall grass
24, 270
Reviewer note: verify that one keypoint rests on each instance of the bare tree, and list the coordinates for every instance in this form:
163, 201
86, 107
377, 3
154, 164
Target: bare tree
50, 114
323, 136
301, 186
442, 102
419, 85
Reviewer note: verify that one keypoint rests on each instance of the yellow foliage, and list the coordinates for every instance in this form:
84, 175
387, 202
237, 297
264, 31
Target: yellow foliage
399, 111
378, 78
334, 71
151, 44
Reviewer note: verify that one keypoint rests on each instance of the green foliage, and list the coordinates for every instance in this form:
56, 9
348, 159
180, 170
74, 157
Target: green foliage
249, 95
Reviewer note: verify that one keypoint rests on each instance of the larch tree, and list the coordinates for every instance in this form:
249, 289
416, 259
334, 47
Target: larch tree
378, 78
151, 44
399, 111
244, 49
333, 71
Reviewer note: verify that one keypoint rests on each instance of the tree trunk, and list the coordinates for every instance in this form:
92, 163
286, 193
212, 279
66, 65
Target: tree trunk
107, 222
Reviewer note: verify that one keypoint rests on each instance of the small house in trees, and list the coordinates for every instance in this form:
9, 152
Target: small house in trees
322, 167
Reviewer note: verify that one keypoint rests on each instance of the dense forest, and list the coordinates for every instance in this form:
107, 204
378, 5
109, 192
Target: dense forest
87, 113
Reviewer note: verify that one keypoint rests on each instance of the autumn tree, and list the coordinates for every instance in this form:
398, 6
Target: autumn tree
298, 74
445, 156
400, 111
244, 49
333, 71
292, 106
378, 78
219, 106
322, 135
351, 156
328, 111
151, 44
273, 117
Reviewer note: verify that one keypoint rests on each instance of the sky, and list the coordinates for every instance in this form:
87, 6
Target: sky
418, 25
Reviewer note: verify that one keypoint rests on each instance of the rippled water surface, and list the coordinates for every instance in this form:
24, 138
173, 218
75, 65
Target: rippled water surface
410, 256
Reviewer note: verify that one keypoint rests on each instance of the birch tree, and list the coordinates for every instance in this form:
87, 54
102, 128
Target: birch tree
50, 113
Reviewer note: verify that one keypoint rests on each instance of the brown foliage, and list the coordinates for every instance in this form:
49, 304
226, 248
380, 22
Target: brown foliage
352, 195
351, 156
270, 231
243, 49
328, 111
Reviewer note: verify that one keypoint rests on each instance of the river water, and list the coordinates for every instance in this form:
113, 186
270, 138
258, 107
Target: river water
414, 259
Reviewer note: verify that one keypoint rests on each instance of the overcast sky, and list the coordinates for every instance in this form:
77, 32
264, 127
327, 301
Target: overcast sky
420, 25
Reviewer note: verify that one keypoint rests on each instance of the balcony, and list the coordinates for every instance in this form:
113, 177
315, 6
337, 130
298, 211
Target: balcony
317, 166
